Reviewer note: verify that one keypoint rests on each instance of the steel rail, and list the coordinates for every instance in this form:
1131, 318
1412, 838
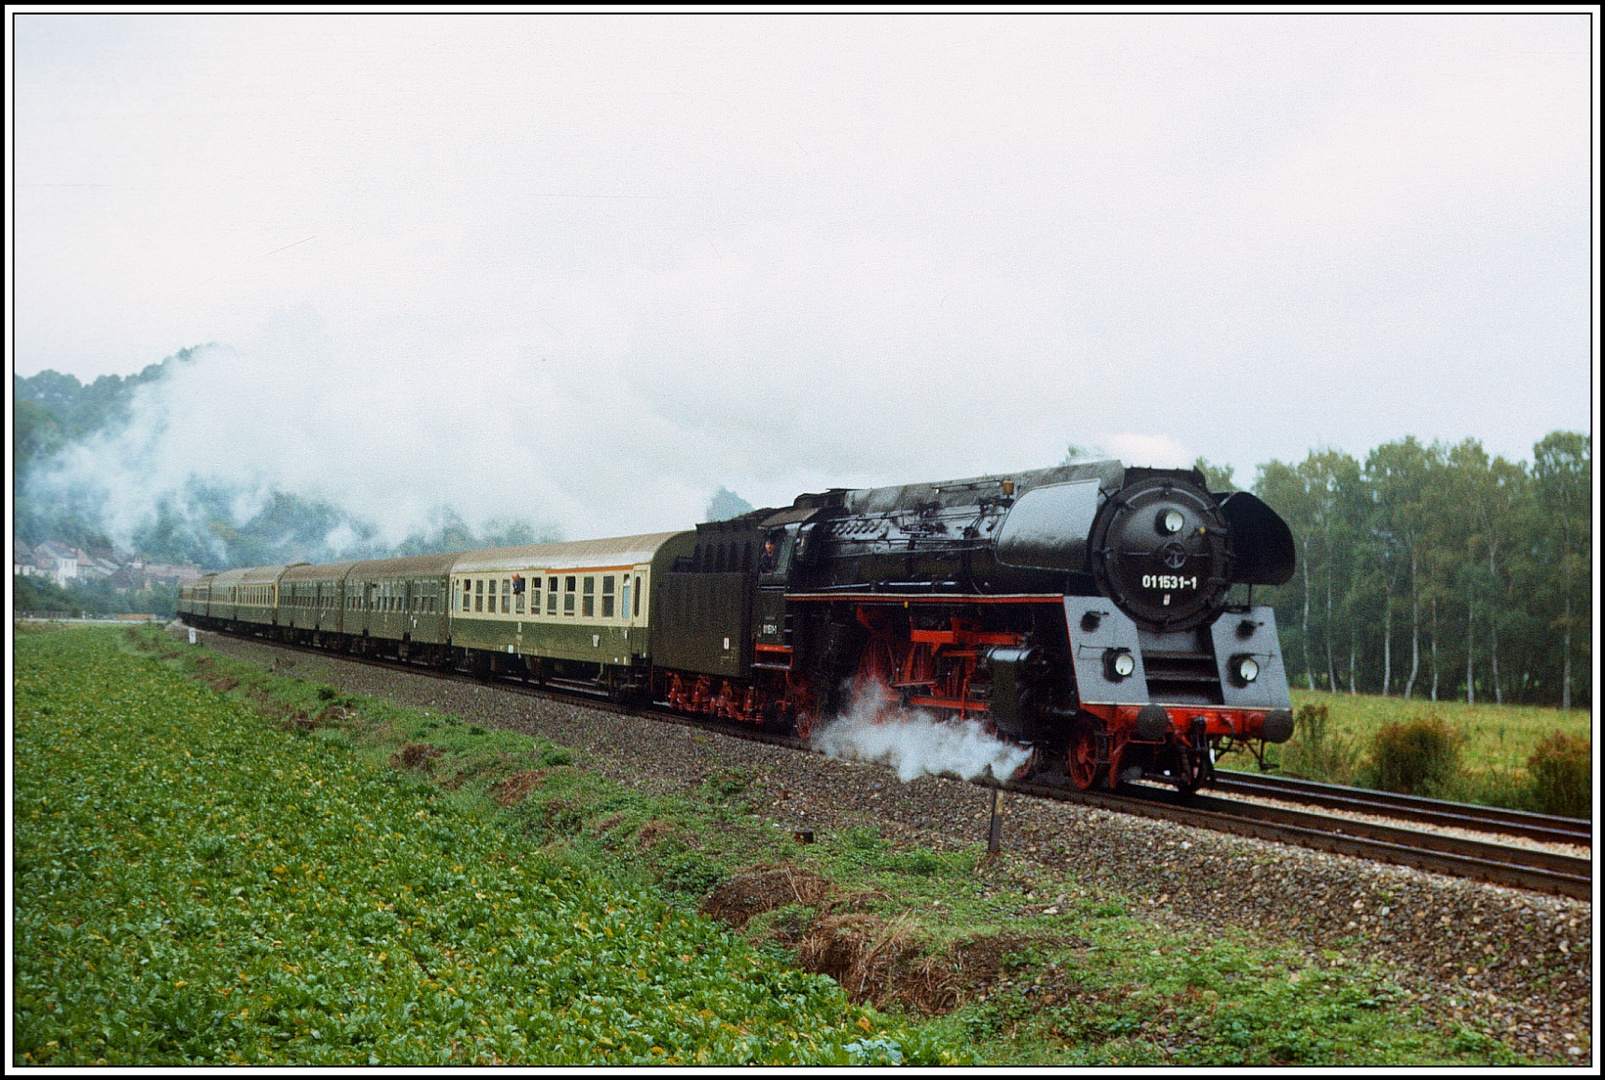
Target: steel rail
1501, 864
1485, 819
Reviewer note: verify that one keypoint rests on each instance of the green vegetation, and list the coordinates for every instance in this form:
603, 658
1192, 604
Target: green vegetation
216, 879
1415, 757
240, 866
1562, 775
1521, 757
99, 597
1438, 572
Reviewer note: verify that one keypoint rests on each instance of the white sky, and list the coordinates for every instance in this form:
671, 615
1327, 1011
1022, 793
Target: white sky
586, 269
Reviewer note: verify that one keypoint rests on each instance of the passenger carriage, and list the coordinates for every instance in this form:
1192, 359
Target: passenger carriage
399, 607
311, 601
575, 611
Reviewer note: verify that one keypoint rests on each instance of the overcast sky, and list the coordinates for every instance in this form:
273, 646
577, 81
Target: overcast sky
586, 269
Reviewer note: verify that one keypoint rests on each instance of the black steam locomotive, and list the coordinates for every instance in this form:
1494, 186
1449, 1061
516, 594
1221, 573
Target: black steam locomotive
1081, 611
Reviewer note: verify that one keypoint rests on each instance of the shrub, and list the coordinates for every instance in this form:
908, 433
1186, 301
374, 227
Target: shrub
1318, 753
1561, 773
1416, 757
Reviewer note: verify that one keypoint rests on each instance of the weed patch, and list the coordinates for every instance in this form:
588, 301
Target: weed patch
1415, 757
511, 791
1562, 777
416, 755
1317, 751
738, 898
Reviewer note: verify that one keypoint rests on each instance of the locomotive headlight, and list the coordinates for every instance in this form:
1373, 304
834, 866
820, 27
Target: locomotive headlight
1244, 669
1119, 664
1171, 521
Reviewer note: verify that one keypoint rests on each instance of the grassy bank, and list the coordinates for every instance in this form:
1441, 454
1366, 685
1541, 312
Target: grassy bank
1489, 749
216, 864
214, 877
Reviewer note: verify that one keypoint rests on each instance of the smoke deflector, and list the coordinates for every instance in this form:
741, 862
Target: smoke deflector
1047, 528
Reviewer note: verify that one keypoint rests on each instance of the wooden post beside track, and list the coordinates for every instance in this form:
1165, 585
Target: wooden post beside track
994, 839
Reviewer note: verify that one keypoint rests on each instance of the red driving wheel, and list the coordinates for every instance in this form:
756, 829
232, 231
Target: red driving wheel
1082, 763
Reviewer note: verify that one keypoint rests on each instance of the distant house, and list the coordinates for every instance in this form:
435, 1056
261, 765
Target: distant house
57, 560
22, 564
128, 579
93, 566
166, 574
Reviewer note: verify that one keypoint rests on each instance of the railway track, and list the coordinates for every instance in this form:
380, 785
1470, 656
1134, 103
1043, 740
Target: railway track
1441, 853
1484, 819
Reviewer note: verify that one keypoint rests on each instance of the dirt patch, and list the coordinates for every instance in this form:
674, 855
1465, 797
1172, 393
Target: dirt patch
607, 823
763, 888
332, 715
652, 831
417, 755
281, 714
223, 685
879, 962
511, 791
884, 963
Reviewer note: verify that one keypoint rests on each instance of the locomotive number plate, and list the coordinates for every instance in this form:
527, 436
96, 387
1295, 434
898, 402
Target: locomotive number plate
1169, 581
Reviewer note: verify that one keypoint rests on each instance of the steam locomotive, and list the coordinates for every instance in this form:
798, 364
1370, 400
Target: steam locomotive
1082, 611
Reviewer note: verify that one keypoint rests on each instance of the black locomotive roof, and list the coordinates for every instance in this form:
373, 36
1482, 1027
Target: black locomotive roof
1110, 475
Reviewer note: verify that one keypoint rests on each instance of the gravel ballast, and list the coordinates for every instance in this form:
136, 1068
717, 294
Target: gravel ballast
1515, 964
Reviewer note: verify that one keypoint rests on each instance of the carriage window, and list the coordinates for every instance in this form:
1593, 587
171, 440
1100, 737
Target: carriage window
624, 601
638, 596
568, 595
479, 594
607, 596
590, 597
551, 596
507, 595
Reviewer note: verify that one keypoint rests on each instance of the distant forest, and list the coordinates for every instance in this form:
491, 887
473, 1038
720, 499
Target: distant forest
1429, 572
1436, 571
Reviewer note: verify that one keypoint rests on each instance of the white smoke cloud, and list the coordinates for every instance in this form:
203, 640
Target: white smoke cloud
916, 744
1149, 451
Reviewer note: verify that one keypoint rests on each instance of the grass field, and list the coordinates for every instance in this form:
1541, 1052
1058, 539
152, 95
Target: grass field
216, 864
1487, 749
200, 881
1498, 738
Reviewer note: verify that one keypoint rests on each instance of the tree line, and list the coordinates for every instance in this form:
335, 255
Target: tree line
1437, 571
